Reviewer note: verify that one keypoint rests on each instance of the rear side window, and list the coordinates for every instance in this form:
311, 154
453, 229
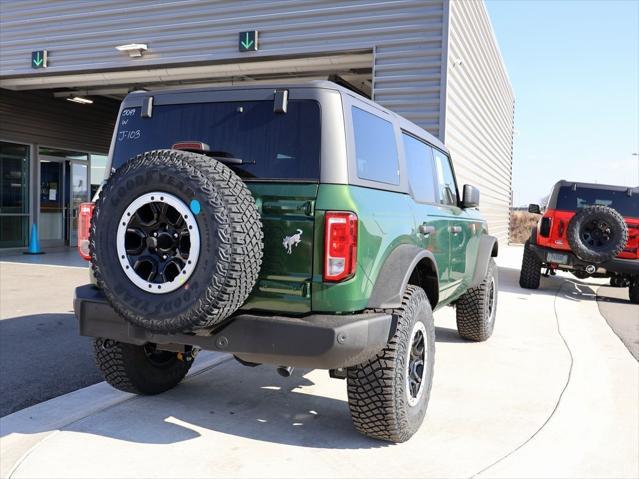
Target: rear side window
271, 145
570, 200
421, 169
446, 187
375, 148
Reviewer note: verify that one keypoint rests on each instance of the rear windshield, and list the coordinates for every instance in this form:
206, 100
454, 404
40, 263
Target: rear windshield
570, 200
270, 145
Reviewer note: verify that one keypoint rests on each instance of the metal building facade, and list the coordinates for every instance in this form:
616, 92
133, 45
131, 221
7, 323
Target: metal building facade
405, 38
397, 51
479, 115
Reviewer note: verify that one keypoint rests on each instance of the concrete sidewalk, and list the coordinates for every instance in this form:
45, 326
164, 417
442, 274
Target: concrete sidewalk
552, 394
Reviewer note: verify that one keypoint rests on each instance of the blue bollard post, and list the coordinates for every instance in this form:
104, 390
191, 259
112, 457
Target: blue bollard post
34, 241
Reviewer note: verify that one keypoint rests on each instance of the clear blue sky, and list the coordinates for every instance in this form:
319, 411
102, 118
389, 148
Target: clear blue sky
574, 67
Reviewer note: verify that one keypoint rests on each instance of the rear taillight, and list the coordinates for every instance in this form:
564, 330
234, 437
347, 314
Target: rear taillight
84, 225
544, 226
340, 245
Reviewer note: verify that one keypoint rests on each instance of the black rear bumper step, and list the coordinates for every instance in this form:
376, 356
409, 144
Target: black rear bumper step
320, 341
616, 265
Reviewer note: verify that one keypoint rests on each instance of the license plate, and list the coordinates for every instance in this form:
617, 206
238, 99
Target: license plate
557, 258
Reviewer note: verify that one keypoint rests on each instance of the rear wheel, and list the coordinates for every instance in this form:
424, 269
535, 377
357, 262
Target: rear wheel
633, 292
530, 274
140, 369
619, 282
388, 395
477, 307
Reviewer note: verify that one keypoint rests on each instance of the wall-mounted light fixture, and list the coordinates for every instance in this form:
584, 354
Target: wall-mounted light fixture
134, 50
80, 99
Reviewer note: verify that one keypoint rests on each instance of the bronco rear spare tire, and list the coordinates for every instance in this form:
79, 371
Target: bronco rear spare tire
176, 241
597, 233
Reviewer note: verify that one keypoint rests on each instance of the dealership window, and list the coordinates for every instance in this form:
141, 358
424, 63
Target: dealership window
446, 187
375, 148
98, 171
65, 154
421, 169
14, 194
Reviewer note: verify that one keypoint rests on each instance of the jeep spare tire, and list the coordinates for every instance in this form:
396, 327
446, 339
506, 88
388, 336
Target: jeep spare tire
597, 233
176, 241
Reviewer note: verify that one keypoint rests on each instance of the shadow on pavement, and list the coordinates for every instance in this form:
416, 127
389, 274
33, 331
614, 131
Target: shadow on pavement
448, 335
509, 282
253, 403
578, 290
42, 356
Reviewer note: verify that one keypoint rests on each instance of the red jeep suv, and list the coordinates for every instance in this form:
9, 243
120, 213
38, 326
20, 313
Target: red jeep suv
588, 230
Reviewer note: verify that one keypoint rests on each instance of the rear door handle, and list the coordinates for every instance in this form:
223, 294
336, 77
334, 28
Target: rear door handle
426, 229
455, 229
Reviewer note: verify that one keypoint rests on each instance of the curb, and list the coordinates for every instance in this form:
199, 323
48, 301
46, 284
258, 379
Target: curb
23, 431
73, 406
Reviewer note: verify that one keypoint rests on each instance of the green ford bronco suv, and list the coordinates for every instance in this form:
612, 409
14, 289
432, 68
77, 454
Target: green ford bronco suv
298, 226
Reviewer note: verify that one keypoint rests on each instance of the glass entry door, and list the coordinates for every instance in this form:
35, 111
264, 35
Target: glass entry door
14, 194
79, 194
53, 206
64, 184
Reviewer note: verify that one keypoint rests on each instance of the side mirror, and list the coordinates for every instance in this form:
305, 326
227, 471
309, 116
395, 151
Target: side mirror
471, 197
533, 208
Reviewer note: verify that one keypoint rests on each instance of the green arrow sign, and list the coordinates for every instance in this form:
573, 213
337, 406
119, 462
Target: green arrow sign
248, 41
39, 59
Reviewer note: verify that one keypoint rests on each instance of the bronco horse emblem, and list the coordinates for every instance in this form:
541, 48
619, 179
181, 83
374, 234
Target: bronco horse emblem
289, 241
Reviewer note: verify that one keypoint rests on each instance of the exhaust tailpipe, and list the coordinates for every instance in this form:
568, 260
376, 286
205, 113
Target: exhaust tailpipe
285, 371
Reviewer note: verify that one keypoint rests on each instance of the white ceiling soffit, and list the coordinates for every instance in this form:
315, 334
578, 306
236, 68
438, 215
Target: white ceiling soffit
341, 63
123, 90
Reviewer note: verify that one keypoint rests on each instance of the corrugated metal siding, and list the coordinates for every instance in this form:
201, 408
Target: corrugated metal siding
35, 117
81, 36
479, 111
407, 37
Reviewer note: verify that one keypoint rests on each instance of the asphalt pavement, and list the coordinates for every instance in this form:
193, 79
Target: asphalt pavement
622, 316
41, 353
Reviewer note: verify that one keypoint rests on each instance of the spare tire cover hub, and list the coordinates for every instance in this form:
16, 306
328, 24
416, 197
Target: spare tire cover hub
158, 242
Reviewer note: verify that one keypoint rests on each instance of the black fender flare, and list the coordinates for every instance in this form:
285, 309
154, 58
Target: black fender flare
395, 273
488, 248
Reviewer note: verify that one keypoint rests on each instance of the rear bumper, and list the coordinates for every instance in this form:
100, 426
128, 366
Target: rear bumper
315, 341
619, 266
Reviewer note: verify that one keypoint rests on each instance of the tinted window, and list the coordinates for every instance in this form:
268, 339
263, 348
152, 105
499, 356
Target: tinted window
375, 148
447, 190
272, 145
421, 169
569, 200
